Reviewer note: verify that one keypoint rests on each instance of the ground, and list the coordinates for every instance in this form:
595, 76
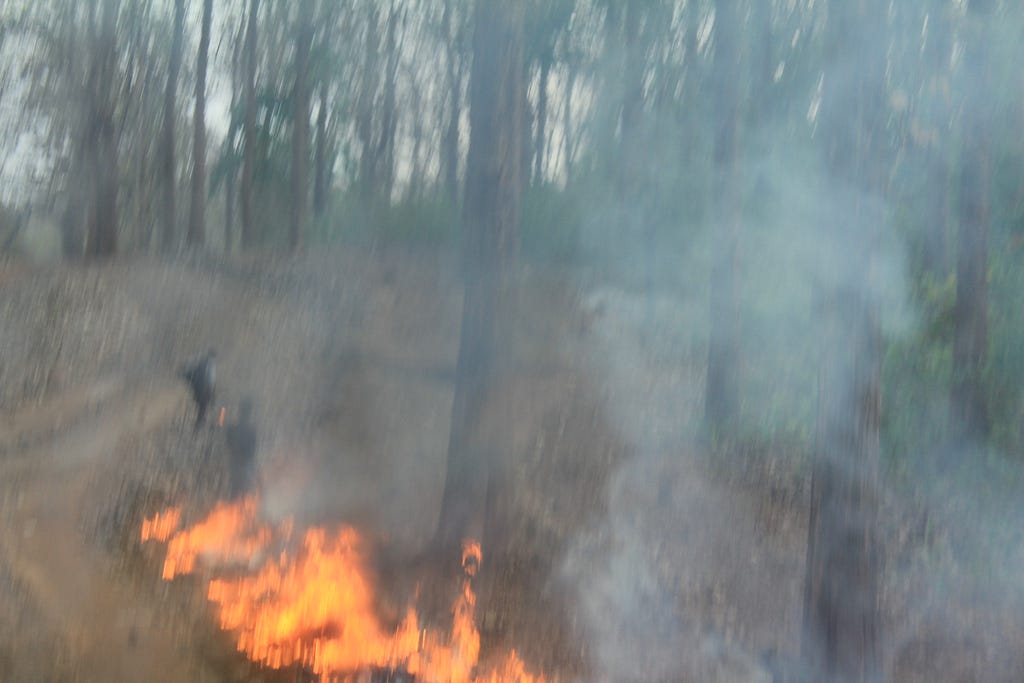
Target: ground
623, 534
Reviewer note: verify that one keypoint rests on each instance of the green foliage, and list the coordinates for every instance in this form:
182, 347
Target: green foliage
423, 221
551, 223
1006, 359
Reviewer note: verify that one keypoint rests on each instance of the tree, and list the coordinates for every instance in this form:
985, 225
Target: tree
841, 587
491, 220
449, 152
197, 214
547, 20
300, 142
322, 155
376, 109
368, 161
229, 160
170, 169
721, 392
248, 231
968, 403
103, 216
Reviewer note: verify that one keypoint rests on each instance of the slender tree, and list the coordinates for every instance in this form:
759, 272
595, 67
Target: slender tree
385, 156
248, 232
841, 639
491, 220
368, 160
969, 418
721, 393
300, 132
170, 168
103, 217
321, 154
197, 214
453, 72
232, 170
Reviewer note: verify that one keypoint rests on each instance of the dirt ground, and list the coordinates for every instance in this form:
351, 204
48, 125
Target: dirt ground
633, 555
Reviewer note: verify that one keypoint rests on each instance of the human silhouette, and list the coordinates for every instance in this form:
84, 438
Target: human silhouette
201, 377
242, 451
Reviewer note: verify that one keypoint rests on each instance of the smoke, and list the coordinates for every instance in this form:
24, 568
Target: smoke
679, 567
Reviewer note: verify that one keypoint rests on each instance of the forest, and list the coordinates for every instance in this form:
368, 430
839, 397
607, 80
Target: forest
692, 326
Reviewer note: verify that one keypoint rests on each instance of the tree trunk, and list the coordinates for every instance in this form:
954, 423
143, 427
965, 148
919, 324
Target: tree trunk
197, 214
368, 161
389, 115
249, 153
841, 624
721, 391
526, 139
541, 140
170, 169
300, 139
321, 156
450, 138
232, 171
568, 131
103, 218
490, 238
841, 592
969, 417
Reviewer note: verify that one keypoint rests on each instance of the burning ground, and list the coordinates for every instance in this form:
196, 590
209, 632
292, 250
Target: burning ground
620, 539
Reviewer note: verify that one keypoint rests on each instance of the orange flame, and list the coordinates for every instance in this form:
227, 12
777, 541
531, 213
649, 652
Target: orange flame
162, 525
220, 416
315, 607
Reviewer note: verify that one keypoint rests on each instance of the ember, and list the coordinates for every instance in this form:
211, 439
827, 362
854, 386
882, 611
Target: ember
314, 606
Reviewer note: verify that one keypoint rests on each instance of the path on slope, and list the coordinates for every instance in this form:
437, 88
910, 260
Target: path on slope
110, 632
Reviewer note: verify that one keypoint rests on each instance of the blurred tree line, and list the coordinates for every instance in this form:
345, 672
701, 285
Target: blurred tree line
839, 182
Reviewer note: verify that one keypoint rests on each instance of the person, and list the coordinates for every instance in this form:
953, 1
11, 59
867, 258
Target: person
242, 452
201, 377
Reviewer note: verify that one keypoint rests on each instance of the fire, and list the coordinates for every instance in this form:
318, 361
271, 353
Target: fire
314, 606
220, 416
162, 525
230, 534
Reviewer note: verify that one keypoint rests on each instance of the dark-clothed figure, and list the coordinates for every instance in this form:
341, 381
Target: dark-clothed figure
201, 377
242, 452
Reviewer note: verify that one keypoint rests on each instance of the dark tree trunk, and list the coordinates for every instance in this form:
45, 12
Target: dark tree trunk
232, 170
170, 167
229, 210
526, 139
491, 220
369, 164
841, 592
248, 232
568, 133
197, 214
103, 217
968, 405
938, 250
721, 393
450, 139
389, 114
417, 170
841, 626
300, 139
76, 220
541, 140
321, 155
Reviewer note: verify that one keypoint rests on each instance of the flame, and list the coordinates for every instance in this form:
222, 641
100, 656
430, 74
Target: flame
314, 606
162, 525
220, 416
